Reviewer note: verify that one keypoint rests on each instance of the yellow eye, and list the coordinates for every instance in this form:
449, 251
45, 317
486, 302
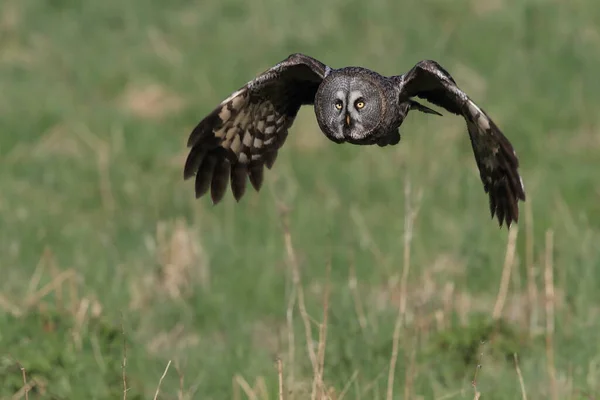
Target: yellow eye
338, 105
360, 104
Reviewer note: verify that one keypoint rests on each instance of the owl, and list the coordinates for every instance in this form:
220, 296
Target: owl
243, 134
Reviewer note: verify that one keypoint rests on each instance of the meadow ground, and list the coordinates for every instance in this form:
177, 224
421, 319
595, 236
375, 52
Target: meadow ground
106, 256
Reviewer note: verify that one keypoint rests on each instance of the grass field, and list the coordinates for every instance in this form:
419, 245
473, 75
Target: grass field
107, 258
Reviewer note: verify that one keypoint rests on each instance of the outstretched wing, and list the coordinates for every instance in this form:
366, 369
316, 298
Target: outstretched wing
243, 134
494, 154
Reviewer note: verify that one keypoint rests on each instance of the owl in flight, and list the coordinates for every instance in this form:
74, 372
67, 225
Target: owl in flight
243, 134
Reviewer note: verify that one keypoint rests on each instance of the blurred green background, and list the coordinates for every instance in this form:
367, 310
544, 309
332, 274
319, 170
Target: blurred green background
106, 255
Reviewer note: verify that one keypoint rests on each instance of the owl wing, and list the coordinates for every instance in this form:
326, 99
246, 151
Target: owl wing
496, 159
243, 134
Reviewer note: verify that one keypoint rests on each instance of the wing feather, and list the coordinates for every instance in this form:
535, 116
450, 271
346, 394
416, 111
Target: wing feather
245, 131
204, 175
256, 175
494, 154
220, 179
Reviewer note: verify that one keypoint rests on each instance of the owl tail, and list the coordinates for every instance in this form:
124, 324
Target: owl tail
420, 107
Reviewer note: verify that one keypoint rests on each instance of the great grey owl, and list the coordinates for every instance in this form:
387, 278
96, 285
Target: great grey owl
244, 132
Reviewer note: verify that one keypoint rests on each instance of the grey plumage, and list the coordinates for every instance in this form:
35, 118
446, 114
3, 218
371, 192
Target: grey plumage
243, 134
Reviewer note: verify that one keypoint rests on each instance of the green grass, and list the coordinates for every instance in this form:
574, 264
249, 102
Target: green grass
96, 102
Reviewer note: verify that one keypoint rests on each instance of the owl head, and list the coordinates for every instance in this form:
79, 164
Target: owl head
349, 105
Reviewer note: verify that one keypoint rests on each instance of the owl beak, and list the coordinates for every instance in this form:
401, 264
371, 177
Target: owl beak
347, 119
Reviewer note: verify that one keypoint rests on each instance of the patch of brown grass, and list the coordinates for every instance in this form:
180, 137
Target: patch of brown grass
173, 341
10, 16
484, 7
58, 141
182, 265
151, 101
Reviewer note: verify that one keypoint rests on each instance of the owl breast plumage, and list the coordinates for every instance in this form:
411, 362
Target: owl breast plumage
243, 134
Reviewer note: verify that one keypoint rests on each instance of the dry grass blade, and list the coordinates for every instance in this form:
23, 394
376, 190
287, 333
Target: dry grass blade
372, 386
9, 306
102, 150
293, 263
549, 290
246, 387
39, 270
181, 376
124, 362
506, 271
289, 316
161, 380
235, 389
410, 371
58, 293
260, 388
409, 218
24, 391
280, 377
477, 393
521, 382
318, 386
532, 291
360, 310
50, 287
366, 237
347, 385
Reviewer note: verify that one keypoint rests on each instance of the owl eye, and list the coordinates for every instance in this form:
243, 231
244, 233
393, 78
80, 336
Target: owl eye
338, 104
359, 104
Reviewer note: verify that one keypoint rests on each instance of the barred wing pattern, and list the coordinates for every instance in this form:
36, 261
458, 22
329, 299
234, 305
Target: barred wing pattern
243, 134
496, 159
